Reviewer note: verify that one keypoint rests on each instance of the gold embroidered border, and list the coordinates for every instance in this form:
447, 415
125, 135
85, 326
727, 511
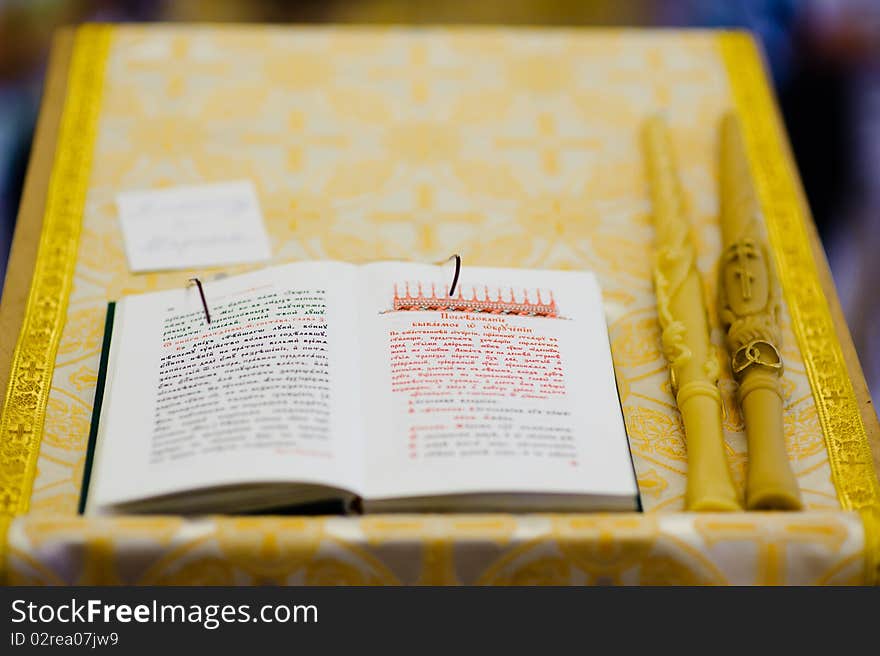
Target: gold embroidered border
21, 425
785, 213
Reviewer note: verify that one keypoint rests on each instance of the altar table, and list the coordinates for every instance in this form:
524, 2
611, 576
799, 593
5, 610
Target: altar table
514, 147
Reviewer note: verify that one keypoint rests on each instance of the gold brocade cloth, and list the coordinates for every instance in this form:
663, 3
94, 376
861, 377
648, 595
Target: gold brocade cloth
511, 147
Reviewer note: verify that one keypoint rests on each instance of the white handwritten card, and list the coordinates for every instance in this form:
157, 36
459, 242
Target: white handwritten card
192, 227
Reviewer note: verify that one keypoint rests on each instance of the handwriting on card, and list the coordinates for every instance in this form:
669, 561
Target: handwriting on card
192, 227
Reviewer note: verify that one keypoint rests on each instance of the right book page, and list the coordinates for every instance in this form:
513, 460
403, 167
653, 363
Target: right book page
507, 387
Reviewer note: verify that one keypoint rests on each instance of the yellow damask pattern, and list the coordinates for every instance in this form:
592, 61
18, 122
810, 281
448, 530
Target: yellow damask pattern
511, 147
657, 549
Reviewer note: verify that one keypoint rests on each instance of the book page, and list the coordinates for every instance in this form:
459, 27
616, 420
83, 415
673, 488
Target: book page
267, 392
506, 387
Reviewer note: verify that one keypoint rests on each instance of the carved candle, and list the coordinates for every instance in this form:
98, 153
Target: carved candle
749, 310
685, 332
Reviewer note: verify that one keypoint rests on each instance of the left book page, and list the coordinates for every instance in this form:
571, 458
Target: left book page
260, 405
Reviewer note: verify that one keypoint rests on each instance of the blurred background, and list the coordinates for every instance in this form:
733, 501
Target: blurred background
824, 55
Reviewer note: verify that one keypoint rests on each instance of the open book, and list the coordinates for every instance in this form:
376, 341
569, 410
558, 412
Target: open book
367, 385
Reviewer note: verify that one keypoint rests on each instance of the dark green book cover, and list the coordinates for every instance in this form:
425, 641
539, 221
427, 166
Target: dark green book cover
96, 411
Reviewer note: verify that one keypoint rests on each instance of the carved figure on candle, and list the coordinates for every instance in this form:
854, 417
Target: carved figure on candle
749, 309
749, 306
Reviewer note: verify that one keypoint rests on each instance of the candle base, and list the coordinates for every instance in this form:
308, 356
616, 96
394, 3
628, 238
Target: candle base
710, 486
